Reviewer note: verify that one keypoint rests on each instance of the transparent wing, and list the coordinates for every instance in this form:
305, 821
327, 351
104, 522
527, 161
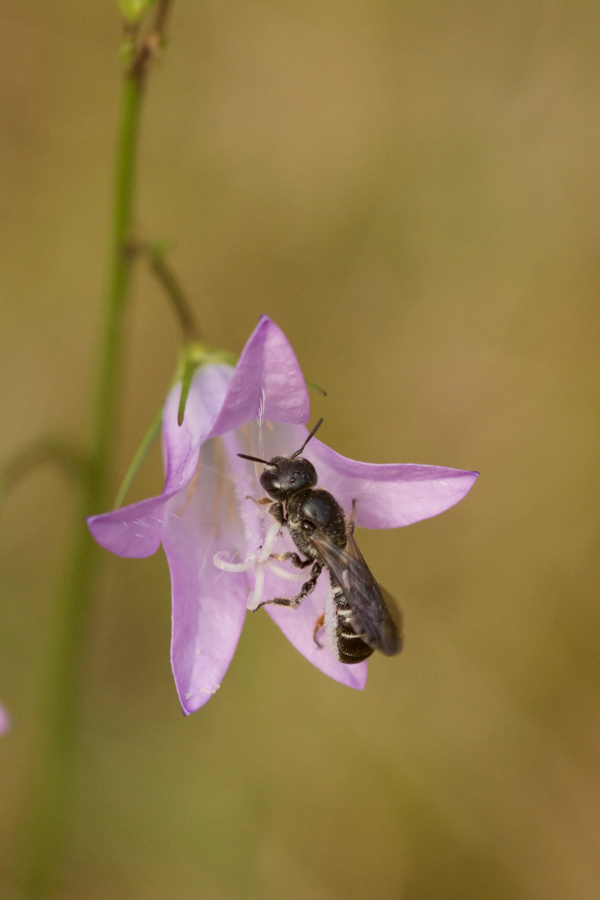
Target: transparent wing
378, 619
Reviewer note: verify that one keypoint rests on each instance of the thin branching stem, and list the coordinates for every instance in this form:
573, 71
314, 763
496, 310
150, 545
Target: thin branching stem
68, 457
157, 258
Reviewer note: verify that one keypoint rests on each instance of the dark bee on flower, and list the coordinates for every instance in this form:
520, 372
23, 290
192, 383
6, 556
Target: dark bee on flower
357, 619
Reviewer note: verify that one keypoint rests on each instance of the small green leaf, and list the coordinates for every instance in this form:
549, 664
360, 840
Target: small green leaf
189, 367
315, 387
140, 455
192, 356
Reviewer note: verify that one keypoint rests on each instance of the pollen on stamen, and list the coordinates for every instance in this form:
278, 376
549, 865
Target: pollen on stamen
221, 561
288, 575
255, 597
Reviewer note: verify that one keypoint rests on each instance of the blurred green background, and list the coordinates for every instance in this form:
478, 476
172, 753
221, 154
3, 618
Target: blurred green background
411, 191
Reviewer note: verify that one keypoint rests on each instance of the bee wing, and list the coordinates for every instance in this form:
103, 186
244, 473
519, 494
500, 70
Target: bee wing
378, 619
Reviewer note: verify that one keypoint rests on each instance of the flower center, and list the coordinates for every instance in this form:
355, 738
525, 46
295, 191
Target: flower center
258, 561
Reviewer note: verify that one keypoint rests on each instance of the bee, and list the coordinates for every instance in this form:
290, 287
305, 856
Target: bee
357, 618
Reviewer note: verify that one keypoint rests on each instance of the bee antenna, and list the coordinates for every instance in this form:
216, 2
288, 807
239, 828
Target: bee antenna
254, 459
312, 434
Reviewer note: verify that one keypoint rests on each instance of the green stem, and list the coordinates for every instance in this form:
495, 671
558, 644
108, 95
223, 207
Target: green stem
106, 405
175, 293
49, 801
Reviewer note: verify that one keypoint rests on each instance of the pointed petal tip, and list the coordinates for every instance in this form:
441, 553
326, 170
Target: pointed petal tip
192, 703
133, 531
359, 683
472, 475
267, 383
389, 495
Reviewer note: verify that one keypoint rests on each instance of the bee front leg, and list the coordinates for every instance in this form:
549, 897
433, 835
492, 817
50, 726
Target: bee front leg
276, 510
262, 502
302, 594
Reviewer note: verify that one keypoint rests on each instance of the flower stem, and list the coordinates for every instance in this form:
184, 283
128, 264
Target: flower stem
106, 406
48, 803
70, 458
175, 293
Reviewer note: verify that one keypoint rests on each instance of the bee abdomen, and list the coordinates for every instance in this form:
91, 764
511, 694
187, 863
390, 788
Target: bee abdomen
348, 646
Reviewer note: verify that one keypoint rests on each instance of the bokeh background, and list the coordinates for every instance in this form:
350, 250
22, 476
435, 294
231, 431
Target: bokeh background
412, 191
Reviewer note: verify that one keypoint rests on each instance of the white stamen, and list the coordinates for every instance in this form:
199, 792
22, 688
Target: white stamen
258, 561
220, 561
285, 573
253, 601
269, 541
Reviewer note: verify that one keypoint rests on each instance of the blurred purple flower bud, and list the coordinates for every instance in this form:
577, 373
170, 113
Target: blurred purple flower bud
4, 721
218, 540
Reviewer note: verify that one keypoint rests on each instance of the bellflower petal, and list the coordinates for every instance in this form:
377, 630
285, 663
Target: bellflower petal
298, 626
390, 496
386, 495
220, 543
207, 615
266, 383
137, 530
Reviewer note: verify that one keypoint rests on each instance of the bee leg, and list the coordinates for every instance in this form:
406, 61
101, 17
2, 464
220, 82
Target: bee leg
352, 520
318, 625
302, 594
293, 558
308, 585
276, 510
262, 502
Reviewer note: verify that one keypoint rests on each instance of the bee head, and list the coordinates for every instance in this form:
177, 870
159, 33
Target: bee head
284, 477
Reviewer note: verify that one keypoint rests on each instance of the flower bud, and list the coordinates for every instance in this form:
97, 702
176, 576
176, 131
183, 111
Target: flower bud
134, 10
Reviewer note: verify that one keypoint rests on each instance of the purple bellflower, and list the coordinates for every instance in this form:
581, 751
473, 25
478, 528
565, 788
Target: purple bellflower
4, 721
219, 541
